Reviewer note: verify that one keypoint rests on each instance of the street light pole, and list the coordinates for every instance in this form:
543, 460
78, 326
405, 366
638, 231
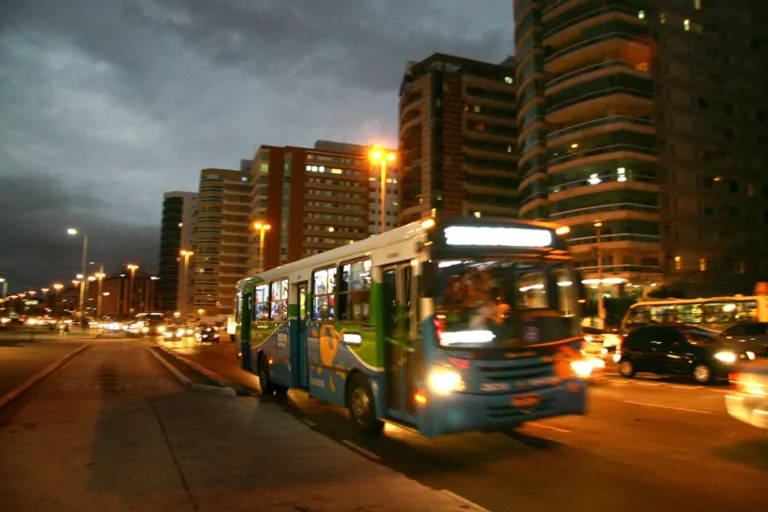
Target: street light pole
100, 275
185, 281
379, 155
5, 286
262, 227
132, 268
75, 232
600, 300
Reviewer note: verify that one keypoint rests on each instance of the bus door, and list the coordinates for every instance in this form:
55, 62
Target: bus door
245, 331
400, 337
299, 355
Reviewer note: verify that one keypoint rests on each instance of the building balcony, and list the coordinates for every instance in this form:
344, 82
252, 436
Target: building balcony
570, 24
610, 242
604, 124
609, 41
606, 212
604, 183
602, 154
593, 72
622, 274
611, 98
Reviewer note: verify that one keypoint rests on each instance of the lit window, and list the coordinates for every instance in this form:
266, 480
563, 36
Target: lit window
662, 17
687, 25
244, 178
478, 215
309, 167
641, 15
476, 109
678, 263
703, 264
593, 179
181, 224
509, 80
622, 173
697, 4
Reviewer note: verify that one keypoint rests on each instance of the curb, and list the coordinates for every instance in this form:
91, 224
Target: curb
14, 393
240, 390
184, 380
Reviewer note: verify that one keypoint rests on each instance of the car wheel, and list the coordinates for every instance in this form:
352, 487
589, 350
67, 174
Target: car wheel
702, 373
362, 407
627, 369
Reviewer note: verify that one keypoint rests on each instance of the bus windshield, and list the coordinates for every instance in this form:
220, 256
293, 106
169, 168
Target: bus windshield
485, 304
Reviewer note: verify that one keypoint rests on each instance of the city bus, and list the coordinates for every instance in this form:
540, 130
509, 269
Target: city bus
437, 327
715, 313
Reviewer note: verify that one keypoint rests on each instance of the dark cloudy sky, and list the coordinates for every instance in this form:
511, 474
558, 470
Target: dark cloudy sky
106, 104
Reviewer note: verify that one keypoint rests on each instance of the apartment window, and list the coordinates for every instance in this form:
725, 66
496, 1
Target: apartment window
324, 285
703, 264
697, 4
678, 263
663, 20
641, 15
354, 292
687, 25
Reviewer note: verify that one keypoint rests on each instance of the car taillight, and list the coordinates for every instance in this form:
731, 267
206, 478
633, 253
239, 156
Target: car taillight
439, 326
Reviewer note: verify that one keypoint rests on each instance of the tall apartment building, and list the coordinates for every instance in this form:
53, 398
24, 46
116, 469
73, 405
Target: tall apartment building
458, 139
313, 199
221, 239
176, 233
647, 118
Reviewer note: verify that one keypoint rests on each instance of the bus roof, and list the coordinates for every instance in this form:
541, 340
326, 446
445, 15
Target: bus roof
414, 230
661, 302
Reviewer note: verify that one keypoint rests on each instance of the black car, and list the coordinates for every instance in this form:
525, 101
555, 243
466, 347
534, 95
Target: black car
208, 333
677, 349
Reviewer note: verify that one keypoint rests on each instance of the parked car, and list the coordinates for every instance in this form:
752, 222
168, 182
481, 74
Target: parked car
750, 336
678, 349
749, 400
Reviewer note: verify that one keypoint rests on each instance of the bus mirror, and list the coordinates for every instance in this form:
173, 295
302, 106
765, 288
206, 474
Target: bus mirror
428, 280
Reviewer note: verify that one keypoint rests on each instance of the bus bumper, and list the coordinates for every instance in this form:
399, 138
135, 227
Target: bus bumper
460, 412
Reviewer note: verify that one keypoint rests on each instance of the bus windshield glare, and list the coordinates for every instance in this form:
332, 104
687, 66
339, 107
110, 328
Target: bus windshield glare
486, 304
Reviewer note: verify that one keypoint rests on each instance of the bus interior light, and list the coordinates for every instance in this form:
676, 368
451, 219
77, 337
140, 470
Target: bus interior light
563, 230
491, 236
450, 338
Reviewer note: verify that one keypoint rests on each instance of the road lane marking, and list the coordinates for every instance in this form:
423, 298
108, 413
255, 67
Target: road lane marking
360, 450
670, 407
309, 422
548, 427
464, 501
676, 386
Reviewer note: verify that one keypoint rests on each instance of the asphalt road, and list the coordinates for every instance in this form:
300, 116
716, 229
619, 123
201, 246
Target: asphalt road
647, 444
113, 431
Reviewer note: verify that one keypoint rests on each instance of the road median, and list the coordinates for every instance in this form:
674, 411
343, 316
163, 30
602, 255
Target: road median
191, 375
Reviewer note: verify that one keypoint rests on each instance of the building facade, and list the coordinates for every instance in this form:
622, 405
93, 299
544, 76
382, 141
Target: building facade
458, 139
640, 128
176, 233
314, 199
220, 240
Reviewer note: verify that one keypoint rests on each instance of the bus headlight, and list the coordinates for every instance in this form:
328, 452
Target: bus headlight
726, 357
582, 368
444, 381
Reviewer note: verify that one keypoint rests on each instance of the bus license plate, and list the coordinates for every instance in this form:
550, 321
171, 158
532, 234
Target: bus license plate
525, 400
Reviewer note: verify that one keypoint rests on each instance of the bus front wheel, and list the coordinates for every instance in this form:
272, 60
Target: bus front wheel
362, 407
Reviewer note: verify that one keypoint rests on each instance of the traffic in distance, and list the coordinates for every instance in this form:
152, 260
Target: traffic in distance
441, 328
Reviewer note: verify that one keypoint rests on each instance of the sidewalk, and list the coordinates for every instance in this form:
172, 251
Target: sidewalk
113, 432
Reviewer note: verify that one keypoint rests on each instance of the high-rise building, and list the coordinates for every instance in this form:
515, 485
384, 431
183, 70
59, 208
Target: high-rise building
314, 199
221, 239
458, 139
176, 232
643, 122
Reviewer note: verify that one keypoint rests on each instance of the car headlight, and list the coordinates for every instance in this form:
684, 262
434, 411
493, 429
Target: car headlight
582, 368
751, 356
161, 329
444, 381
180, 332
145, 329
726, 357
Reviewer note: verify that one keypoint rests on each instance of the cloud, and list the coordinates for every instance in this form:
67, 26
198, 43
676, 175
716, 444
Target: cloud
109, 104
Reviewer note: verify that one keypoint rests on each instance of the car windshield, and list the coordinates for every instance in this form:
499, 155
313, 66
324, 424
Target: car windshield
487, 303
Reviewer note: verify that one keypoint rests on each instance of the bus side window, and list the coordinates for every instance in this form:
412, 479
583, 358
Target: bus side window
637, 316
389, 302
354, 292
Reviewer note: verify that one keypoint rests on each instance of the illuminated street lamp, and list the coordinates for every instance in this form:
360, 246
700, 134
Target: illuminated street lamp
75, 232
262, 227
379, 155
100, 276
5, 286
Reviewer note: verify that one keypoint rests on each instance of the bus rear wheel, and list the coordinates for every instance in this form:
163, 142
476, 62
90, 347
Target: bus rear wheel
265, 383
362, 407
